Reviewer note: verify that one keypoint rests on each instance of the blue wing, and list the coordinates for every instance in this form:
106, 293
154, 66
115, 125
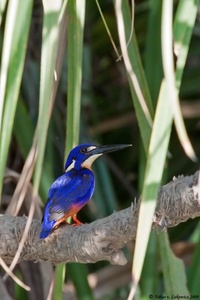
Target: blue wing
58, 183
68, 191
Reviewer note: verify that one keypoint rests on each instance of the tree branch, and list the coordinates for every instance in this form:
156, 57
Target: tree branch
103, 239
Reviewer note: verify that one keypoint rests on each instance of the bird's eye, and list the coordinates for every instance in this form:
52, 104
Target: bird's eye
83, 150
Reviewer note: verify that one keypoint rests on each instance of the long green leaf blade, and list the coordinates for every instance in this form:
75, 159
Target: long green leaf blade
50, 40
153, 175
168, 66
78, 274
153, 58
13, 57
154, 74
173, 269
141, 98
47, 77
194, 269
182, 31
2, 8
75, 49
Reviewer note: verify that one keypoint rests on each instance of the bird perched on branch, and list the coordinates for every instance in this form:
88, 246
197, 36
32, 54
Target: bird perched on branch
71, 191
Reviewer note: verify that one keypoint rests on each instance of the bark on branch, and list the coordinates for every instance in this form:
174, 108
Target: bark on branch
103, 239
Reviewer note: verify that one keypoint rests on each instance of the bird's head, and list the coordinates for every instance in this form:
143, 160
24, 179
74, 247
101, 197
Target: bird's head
82, 156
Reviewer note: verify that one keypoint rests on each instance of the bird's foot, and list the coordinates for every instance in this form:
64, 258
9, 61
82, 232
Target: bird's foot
77, 222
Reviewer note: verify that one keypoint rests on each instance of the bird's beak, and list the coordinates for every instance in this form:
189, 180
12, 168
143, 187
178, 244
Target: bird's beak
99, 150
108, 148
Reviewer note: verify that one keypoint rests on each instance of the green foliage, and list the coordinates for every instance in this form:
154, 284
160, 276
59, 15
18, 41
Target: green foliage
173, 269
12, 62
153, 175
56, 92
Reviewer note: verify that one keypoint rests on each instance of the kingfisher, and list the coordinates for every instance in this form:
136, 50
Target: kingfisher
72, 190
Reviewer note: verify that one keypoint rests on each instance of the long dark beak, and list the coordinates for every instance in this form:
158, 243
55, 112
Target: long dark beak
109, 148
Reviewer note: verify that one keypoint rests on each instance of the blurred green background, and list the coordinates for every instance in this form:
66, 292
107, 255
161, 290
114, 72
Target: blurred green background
62, 84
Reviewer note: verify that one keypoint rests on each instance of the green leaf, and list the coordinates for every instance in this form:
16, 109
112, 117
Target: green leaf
50, 37
150, 273
48, 78
173, 269
105, 197
23, 134
183, 27
59, 280
75, 50
2, 8
153, 58
153, 174
150, 277
194, 268
154, 73
137, 81
78, 274
13, 56
168, 66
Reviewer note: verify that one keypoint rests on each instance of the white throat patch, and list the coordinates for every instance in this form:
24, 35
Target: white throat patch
88, 162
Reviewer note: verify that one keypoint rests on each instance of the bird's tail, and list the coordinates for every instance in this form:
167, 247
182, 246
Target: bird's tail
46, 229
